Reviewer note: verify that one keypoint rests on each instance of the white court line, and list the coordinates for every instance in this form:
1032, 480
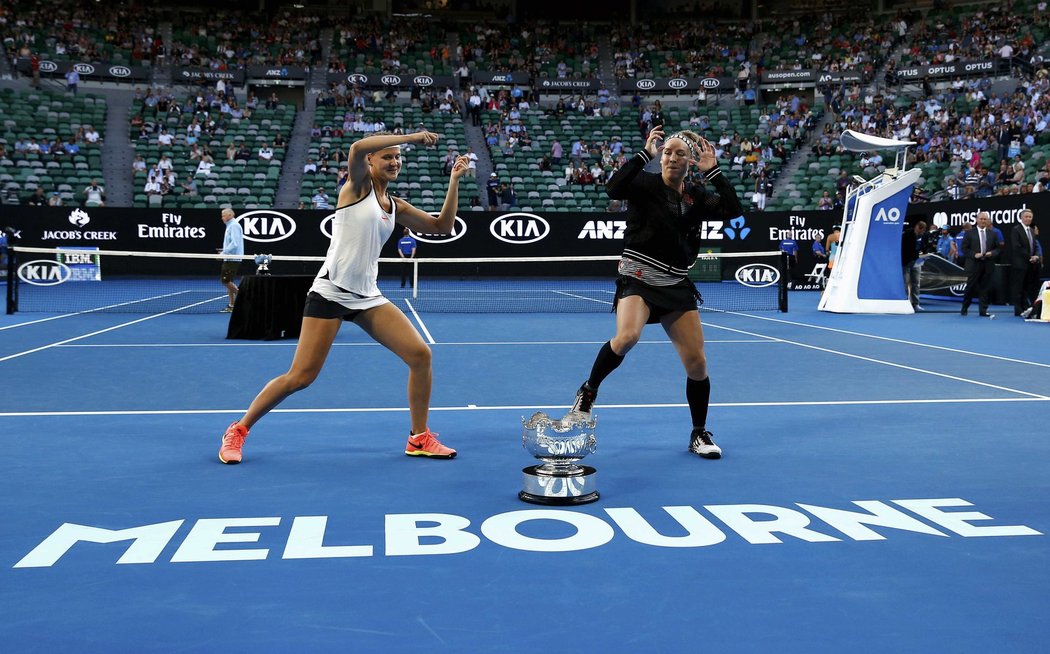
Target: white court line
426, 332
888, 338
291, 343
887, 363
103, 331
80, 313
583, 297
473, 407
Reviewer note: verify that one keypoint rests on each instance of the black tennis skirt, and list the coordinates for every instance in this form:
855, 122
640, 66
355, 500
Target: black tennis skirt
661, 300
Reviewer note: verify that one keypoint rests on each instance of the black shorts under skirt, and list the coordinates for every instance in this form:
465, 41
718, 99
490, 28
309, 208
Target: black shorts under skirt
661, 300
318, 306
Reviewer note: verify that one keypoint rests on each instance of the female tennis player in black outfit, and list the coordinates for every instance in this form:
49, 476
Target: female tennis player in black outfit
662, 239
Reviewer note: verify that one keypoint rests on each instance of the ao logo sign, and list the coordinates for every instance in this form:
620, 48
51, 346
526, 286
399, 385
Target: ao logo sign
265, 226
44, 273
390, 80
423, 80
757, 275
48, 66
891, 216
520, 228
119, 71
84, 69
458, 230
646, 84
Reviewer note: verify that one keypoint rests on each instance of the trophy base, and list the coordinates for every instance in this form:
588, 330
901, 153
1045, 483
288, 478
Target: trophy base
559, 490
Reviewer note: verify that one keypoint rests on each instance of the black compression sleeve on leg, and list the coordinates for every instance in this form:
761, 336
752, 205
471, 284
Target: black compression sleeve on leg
698, 394
604, 363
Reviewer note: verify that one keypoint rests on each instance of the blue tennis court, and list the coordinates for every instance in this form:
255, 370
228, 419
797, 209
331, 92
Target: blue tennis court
884, 486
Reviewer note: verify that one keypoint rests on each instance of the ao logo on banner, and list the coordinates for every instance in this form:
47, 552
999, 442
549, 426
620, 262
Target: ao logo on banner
458, 230
520, 228
265, 226
891, 216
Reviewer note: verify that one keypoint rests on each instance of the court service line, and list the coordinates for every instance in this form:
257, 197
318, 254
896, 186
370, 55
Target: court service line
512, 407
291, 343
107, 329
80, 313
426, 332
887, 363
890, 339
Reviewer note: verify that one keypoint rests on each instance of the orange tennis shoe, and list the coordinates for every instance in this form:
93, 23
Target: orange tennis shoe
427, 444
232, 442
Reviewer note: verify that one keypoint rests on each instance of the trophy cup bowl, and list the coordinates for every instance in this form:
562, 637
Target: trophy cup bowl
559, 444
262, 261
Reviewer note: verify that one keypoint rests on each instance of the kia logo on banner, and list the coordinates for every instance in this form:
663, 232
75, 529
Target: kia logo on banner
390, 80
459, 228
357, 78
520, 228
326, 225
677, 83
757, 275
645, 84
44, 273
710, 83
84, 69
119, 71
266, 226
48, 66
423, 80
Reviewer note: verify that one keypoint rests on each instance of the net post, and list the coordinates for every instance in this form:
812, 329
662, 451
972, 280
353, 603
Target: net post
782, 291
12, 281
415, 279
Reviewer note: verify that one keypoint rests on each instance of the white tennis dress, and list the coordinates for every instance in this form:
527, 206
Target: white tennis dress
351, 265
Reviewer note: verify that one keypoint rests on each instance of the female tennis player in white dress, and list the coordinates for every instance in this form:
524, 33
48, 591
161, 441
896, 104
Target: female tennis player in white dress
345, 289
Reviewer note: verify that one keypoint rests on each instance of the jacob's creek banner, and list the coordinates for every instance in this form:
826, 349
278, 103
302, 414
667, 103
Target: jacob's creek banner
477, 233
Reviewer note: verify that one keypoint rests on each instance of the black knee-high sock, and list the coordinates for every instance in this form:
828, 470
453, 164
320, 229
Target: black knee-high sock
604, 363
698, 394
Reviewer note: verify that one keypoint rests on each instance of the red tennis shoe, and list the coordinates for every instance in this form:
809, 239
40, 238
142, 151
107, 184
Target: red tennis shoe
232, 442
427, 444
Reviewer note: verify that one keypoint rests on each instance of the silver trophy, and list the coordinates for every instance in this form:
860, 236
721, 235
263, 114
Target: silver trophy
560, 445
262, 261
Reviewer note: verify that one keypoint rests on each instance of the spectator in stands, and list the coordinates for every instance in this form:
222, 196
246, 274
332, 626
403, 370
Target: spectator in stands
91, 135
472, 163
273, 101
94, 195
72, 80
164, 165
492, 188
763, 189
243, 153
508, 199
205, 166
556, 152
152, 186
55, 199
189, 187
320, 200
309, 168
37, 199
266, 152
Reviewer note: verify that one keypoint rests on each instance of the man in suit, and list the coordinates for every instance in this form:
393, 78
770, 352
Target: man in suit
913, 244
1025, 263
980, 250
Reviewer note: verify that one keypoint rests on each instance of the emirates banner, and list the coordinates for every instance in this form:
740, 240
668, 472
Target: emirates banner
476, 233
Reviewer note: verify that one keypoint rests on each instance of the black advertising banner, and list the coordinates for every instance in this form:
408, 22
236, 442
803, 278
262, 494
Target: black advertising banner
671, 84
476, 233
96, 71
805, 76
190, 74
559, 84
954, 69
379, 80
493, 77
277, 72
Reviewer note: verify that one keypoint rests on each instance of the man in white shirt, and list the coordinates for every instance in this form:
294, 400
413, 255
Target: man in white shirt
266, 152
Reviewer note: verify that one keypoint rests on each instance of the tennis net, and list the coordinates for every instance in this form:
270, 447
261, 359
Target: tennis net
84, 280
